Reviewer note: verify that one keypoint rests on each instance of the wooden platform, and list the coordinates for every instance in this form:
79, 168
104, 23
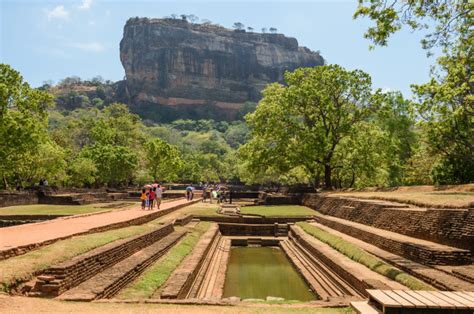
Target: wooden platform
409, 301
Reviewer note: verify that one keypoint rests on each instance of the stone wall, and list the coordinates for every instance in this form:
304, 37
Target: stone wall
418, 253
59, 278
18, 198
227, 229
253, 220
446, 226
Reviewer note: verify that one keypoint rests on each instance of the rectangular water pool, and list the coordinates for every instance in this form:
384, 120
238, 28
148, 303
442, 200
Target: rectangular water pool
260, 272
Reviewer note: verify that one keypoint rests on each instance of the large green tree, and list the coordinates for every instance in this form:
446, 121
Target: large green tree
163, 160
446, 104
301, 124
23, 123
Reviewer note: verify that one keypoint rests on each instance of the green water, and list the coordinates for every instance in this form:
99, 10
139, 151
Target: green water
258, 272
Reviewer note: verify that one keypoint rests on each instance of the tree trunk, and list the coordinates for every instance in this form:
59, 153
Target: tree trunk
5, 182
327, 176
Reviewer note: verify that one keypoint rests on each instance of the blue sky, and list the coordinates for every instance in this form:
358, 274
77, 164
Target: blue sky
49, 40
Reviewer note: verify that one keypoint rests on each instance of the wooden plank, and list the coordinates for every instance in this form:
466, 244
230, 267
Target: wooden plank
362, 307
417, 303
465, 295
404, 302
382, 298
446, 298
460, 299
427, 302
443, 304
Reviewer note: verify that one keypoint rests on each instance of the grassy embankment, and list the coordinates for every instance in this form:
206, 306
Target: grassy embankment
207, 209
22, 268
456, 196
157, 274
46, 209
359, 255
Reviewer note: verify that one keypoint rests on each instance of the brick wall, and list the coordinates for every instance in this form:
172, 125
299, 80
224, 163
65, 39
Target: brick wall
446, 226
253, 220
414, 252
59, 278
17, 198
248, 229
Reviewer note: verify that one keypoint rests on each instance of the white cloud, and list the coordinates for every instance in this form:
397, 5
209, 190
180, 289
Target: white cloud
89, 47
57, 12
85, 5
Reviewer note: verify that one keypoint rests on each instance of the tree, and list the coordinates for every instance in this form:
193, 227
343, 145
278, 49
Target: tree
23, 122
250, 29
264, 30
273, 30
238, 26
193, 18
184, 17
82, 172
445, 19
446, 114
302, 123
163, 160
115, 164
446, 107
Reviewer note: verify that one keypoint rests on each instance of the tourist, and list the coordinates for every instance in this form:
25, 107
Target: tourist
214, 195
189, 192
158, 196
152, 198
143, 198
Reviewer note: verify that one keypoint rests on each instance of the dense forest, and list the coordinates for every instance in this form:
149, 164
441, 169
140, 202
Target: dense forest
325, 126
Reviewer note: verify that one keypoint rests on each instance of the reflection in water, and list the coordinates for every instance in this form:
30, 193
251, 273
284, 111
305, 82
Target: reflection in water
258, 272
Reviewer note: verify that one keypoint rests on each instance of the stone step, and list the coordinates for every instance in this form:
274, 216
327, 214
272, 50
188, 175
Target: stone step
418, 250
107, 283
178, 284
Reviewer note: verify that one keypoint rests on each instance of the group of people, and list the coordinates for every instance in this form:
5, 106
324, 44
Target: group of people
151, 196
215, 192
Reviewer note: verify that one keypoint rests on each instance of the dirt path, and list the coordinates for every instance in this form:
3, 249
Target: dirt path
29, 234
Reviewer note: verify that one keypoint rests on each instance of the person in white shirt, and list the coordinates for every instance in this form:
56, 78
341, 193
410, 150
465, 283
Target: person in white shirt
158, 196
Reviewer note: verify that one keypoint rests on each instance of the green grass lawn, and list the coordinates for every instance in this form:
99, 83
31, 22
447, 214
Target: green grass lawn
157, 274
45, 209
359, 255
21, 268
277, 210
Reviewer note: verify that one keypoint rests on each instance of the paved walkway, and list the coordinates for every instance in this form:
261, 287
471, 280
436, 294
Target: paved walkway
51, 230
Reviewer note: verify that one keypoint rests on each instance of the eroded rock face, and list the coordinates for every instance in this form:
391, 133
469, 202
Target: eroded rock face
176, 63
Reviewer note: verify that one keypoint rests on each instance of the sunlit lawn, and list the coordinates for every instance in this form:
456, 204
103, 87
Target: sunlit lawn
46, 209
277, 210
440, 199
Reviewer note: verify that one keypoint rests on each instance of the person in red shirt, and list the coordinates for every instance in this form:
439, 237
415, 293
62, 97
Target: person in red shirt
152, 198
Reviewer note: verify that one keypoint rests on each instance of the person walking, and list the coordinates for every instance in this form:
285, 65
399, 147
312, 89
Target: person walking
152, 199
143, 197
158, 196
189, 192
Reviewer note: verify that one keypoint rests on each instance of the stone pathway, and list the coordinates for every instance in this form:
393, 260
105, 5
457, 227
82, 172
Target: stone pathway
437, 278
17, 240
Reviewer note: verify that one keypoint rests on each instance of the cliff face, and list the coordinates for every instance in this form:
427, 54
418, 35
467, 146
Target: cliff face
174, 63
